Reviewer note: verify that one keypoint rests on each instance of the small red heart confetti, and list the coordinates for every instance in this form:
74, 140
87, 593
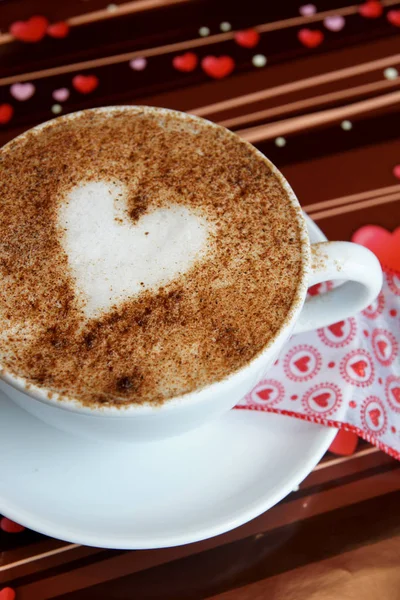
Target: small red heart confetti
384, 244
359, 368
302, 363
10, 526
185, 62
218, 66
248, 38
6, 112
337, 328
352, 404
396, 171
371, 9
344, 444
310, 38
58, 30
374, 415
32, 30
85, 84
322, 399
393, 17
265, 394
7, 594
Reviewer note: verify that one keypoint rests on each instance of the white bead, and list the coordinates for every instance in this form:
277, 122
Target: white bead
346, 125
56, 109
204, 31
259, 60
225, 26
391, 73
280, 142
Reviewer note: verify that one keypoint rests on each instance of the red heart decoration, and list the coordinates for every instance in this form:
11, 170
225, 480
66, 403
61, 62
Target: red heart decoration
393, 17
218, 66
265, 394
314, 289
32, 30
58, 30
337, 328
248, 38
7, 594
85, 84
10, 527
345, 443
396, 394
6, 112
384, 244
371, 9
310, 38
302, 363
374, 415
185, 62
322, 399
359, 368
382, 347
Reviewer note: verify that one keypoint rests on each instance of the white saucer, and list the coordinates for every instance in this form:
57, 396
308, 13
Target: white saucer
156, 494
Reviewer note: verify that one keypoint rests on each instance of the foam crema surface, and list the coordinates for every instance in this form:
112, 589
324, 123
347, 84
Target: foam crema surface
143, 255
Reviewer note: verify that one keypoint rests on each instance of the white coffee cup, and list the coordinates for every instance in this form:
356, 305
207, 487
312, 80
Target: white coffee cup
326, 261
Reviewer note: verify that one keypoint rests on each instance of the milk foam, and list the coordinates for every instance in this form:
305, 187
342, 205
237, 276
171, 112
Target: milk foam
113, 259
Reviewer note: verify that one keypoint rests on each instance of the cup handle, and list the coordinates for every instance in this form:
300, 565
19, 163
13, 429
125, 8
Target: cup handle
331, 261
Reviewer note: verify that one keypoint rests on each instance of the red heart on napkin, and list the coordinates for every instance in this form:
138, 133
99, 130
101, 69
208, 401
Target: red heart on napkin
58, 30
322, 399
382, 347
311, 38
7, 594
337, 328
374, 415
314, 289
32, 30
359, 368
371, 9
302, 363
393, 17
85, 84
10, 526
218, 66
344, 443
384, 244
185, 62
248, 38
396, 394
265, 394
6, 112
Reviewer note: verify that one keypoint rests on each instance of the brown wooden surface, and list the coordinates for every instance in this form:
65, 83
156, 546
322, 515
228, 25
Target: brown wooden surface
338, 536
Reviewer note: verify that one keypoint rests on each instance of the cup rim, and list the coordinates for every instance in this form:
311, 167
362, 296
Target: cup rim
62, 401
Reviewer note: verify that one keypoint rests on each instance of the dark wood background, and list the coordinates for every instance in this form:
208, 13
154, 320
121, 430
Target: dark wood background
338, 536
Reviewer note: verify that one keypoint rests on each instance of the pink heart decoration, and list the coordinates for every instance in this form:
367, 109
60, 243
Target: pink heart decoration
384, 244
307, 10
22, 91
334, 23
138, 64
61, 95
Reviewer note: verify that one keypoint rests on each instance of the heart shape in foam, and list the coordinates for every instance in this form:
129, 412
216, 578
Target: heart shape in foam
112, 258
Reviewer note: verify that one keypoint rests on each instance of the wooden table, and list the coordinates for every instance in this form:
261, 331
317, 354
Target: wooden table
324, 106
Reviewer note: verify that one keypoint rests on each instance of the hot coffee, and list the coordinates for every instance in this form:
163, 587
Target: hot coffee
144, 254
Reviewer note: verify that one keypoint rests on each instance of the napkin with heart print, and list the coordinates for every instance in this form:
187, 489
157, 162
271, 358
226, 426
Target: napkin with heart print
346, 375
